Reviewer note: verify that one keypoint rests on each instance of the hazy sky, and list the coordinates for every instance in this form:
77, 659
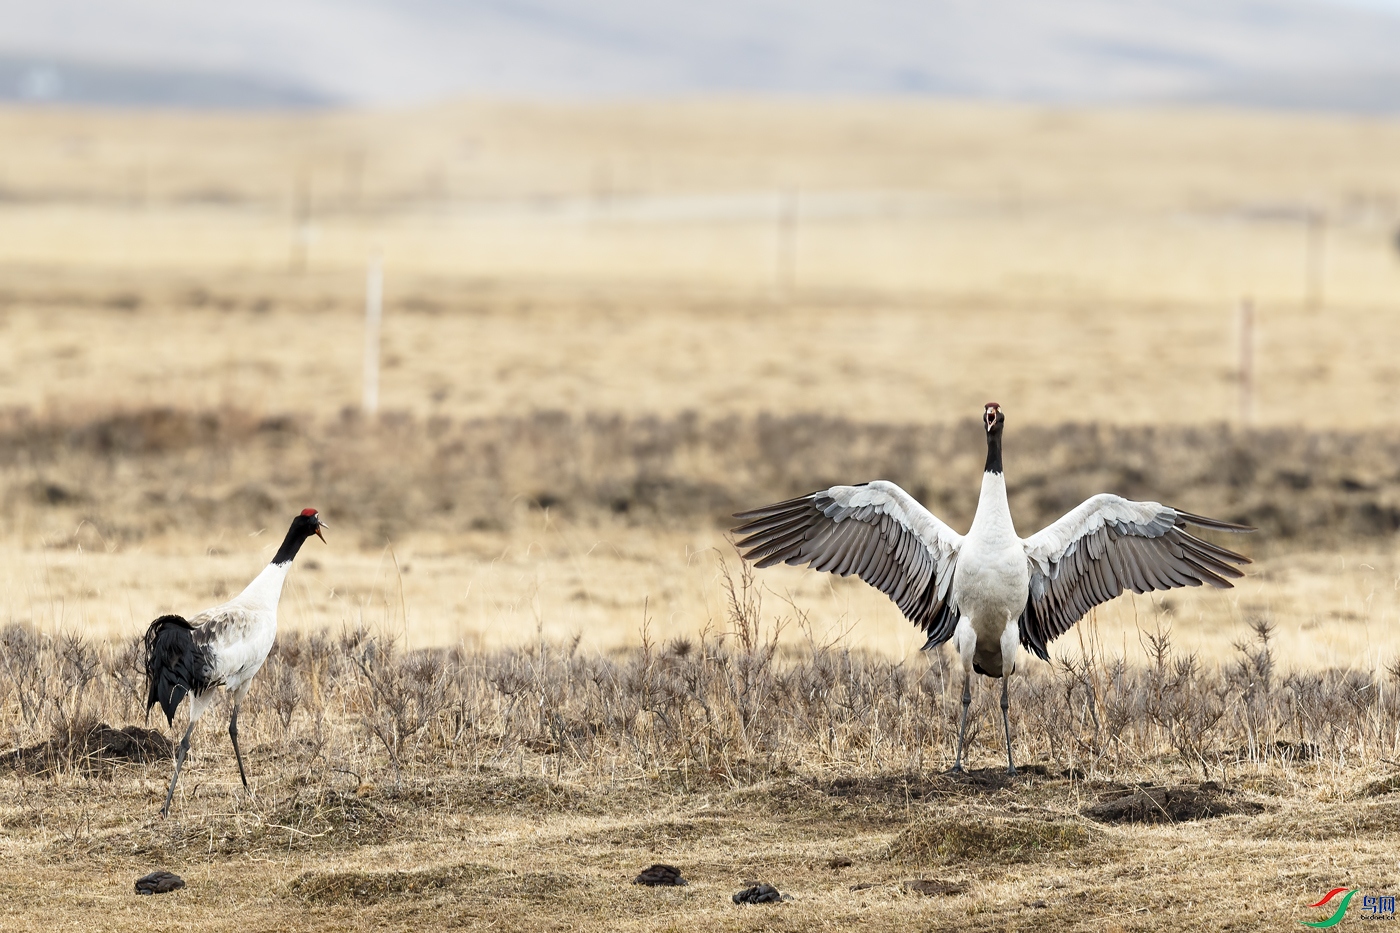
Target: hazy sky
1300, 53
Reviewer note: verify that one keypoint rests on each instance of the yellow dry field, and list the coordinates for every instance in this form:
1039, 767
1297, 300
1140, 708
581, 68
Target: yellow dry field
895, 261
602, 585
879, 261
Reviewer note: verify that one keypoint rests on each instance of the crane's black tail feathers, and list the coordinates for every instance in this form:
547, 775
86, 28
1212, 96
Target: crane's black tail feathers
175, 664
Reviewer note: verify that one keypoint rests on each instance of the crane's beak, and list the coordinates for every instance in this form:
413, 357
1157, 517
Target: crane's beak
319, 525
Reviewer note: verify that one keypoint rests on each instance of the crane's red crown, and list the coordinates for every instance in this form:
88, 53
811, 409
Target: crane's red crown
308, 511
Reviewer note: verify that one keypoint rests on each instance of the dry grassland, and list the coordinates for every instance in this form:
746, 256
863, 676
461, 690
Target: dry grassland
606, 328
522, 789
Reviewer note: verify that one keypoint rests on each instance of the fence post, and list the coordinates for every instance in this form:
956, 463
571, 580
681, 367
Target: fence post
1246, 338
374, 310
301, 221
1317, 232
784, 257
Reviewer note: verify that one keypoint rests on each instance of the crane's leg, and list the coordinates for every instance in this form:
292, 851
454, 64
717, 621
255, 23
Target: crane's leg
965, 643
962, 721
1010, 645
238, 696
1006, 720
197, 706
180, 754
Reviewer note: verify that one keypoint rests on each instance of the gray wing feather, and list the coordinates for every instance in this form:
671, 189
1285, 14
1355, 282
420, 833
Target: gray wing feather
876, 531
1110, 544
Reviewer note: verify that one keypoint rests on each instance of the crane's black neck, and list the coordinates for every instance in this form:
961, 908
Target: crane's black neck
296, 535
994, 450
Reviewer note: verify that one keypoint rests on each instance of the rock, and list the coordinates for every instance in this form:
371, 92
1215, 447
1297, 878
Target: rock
159, 882
759, 894
660, 876
932, 887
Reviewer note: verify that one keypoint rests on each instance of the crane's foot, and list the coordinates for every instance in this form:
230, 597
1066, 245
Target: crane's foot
1011, 771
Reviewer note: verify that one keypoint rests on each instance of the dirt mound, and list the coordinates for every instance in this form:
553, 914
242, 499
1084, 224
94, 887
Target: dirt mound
934, 887
978, 780
92, 747
1372, 819
335, 815
129, 743
1379, 788
371, 886
968, 835
1169, 805
903, 788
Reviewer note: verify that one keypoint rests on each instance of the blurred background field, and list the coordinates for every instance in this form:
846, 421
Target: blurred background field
609, 325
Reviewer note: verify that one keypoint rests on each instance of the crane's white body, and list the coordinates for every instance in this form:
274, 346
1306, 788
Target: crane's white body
990, 584
239, 633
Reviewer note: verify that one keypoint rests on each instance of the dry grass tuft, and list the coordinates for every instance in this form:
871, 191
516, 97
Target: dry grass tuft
730, 709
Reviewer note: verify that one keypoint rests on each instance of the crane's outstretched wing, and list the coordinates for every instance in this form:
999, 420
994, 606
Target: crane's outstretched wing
875, 530
1110, 544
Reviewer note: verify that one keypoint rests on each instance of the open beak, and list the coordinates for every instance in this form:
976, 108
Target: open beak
319, 525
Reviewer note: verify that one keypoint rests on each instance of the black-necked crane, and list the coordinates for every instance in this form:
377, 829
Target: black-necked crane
221, 647
990, 591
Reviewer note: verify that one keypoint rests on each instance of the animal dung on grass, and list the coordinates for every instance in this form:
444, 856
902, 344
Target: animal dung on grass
159, 882
759, 893
660, 876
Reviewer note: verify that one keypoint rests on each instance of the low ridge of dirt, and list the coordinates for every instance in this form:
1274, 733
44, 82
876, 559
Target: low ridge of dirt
95, 746
1178, 804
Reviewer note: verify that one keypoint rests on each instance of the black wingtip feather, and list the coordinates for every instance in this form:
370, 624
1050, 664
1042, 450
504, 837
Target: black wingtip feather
769, 511
1201, 521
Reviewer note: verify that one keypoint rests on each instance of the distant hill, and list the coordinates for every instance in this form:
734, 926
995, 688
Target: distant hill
49, 79
1277, 53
